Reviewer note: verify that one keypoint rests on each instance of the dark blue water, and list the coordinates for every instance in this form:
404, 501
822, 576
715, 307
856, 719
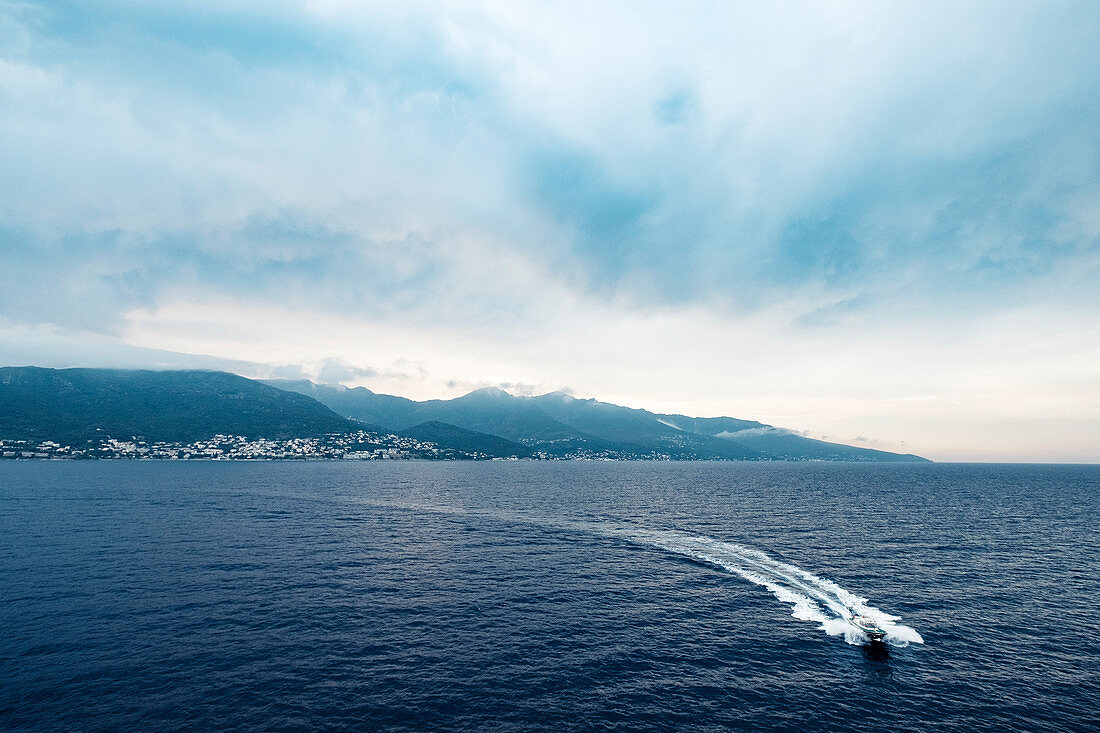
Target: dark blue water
553, 596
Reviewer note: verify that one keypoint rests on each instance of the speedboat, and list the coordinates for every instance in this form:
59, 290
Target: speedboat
870, 629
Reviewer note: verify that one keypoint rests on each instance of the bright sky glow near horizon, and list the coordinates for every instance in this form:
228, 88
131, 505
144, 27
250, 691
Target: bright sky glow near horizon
875, 223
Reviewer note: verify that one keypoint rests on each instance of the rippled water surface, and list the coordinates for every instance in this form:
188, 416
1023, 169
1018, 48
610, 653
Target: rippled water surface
552, 596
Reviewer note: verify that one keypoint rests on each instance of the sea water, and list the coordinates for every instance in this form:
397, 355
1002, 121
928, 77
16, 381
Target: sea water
547, 596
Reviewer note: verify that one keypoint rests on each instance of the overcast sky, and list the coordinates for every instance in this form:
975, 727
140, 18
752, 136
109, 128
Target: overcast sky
874, 222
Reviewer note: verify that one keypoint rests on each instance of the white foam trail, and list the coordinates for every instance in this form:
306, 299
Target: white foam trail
811, 597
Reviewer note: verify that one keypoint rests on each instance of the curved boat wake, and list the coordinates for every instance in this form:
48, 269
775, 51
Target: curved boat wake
811, 597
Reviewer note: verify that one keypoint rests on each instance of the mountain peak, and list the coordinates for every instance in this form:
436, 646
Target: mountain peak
559, 394
495, 392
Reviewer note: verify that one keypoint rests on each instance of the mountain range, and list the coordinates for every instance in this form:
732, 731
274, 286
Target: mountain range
76, 405
558, 424
80, 405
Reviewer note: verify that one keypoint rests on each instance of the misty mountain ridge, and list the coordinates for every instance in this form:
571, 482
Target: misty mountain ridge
559, 424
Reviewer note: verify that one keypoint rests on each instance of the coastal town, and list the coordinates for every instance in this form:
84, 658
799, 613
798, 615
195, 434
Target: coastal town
358, 446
